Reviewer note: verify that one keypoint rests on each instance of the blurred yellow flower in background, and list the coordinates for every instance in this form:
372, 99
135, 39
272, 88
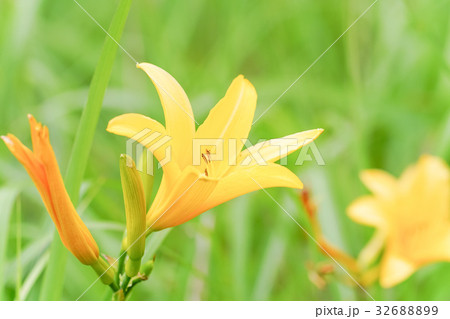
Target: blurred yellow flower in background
188, 190
412, 217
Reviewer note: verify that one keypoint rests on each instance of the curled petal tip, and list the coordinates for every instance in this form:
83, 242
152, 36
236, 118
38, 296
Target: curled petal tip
34, 125
141, 65
318, 132
7, 140
108, 127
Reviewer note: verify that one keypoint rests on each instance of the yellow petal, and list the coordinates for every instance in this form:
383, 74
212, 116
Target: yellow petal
231, 118
273, 150
149, 133
379, 182
366, 210
436, 167
435, 247
248, 179
180, 123
131, 124
445, 244
425, 174
427, 185
180, 204
394, 270
142, 129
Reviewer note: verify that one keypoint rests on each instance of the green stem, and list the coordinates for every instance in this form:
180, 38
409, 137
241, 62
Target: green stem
18, 248
125, 282
121, 264
118, 296
54, 276
114, 286
143, 275
134, 282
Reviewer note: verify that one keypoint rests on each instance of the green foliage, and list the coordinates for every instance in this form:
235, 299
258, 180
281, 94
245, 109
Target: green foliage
380, 93
7, 197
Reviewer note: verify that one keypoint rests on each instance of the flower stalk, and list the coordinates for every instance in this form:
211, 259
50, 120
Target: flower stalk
104, 271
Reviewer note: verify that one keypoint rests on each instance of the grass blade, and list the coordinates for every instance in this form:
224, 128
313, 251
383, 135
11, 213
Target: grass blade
270, 264
18, 248
154, 242
33, 276
7, 198
54, 275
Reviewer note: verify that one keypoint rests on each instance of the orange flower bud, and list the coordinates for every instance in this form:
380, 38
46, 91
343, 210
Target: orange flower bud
43, 169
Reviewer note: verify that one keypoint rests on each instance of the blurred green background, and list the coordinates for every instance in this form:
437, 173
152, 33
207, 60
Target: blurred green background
381, 93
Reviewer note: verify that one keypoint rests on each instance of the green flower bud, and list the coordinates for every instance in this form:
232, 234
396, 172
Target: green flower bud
133, 194
147, 268
132, 267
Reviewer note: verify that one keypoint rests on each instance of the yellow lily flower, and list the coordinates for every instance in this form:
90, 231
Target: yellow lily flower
412, 217
223, 172
43, 169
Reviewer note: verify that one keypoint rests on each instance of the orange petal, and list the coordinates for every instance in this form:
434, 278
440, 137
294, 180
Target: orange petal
33, 166
42, 167
181, 203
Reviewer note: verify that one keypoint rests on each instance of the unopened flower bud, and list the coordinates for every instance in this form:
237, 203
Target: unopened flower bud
133, 194
147, 268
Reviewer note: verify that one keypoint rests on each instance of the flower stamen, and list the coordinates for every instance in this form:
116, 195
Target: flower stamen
207, 159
